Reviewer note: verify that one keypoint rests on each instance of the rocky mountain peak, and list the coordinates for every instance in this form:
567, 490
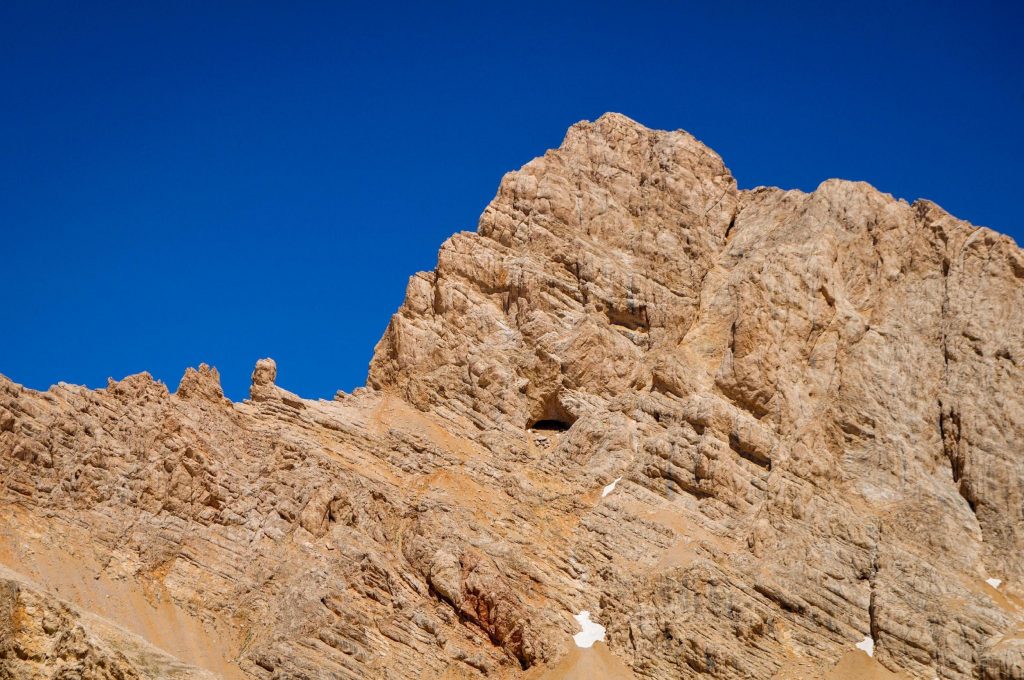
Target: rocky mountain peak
730, 433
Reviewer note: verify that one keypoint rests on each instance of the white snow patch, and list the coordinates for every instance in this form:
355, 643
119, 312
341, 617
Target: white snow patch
591, 632
867, 645
994, 582
611, 487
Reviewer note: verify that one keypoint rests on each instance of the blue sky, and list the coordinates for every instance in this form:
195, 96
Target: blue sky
196, 181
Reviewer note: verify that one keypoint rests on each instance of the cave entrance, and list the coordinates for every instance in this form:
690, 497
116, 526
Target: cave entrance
549, 422
550, 425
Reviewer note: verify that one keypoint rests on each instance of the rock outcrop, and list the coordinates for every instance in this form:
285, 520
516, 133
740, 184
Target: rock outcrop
751, 432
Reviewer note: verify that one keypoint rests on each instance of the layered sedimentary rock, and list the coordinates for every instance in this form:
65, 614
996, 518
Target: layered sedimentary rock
751, 432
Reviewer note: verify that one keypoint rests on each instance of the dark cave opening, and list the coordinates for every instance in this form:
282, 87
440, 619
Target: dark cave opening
550, 425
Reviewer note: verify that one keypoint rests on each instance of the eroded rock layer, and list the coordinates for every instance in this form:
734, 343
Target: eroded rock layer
747, 431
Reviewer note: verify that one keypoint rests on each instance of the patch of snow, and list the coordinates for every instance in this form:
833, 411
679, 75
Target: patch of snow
867, 645
611, 487
591, 632
994, 582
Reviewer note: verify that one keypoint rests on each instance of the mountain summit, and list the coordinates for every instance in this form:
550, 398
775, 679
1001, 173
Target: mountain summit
727, 433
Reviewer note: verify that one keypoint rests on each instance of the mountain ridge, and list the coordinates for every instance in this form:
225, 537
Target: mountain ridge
808, 407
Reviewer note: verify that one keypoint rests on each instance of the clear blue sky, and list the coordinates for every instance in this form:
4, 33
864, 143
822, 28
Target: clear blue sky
209, 181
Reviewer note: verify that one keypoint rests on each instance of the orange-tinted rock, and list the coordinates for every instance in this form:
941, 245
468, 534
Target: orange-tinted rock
807, 410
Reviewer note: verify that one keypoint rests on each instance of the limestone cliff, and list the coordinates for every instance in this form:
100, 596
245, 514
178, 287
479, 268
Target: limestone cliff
751, 432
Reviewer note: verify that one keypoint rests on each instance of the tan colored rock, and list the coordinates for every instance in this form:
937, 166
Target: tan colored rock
745, 430
202, 383
43, 637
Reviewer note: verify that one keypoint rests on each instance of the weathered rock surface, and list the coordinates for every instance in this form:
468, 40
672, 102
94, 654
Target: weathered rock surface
43, 637
813, 403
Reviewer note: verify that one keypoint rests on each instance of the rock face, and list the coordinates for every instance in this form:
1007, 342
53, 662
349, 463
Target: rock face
813, 405
41, 637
